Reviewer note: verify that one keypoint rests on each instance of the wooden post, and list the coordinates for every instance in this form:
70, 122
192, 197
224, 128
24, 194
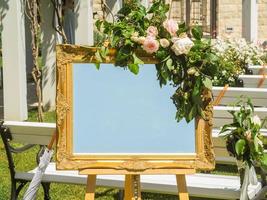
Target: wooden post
49, 39
132, 187
90, 188
250, 20
182, 189
84, 26
14, 60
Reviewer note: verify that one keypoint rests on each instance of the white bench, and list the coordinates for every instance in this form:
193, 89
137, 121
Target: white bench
222, 116
201, 185
251, 81
258, 95
257, 69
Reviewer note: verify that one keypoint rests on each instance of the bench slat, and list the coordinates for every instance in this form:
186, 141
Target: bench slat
222, 116
251, 81
256, 69
30, 128
257, 95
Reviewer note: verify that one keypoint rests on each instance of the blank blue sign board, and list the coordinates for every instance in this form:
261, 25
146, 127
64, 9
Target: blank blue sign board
117, 112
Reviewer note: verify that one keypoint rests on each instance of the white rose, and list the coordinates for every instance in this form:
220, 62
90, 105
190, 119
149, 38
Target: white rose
256, 120
182, 45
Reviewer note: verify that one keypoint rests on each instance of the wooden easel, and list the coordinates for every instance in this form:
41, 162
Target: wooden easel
132, 186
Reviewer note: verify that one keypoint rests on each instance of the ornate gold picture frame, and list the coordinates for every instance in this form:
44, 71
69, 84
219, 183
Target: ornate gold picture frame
121, 164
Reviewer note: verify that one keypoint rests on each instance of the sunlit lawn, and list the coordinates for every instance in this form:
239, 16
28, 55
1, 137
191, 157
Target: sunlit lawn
26, 161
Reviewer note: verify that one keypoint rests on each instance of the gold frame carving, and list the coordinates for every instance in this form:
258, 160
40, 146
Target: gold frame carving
121, 164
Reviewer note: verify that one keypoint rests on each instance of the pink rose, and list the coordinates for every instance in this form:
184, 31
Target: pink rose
151, 45
152, 31
171, 26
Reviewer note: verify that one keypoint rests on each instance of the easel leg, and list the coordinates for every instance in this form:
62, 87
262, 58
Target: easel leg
132, 189
182, 189
90, 188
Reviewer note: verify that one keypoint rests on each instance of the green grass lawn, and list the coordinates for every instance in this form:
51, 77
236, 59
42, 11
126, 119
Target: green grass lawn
26, 161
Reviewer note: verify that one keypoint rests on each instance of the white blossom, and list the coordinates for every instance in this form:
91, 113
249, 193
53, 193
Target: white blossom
256, 120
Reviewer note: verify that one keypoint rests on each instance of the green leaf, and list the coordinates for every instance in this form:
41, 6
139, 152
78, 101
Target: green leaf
103, 51
97, 65
240, 146
169, 64
226, 127
207, 83
197, 32
137, 60
98, 24
264, 162
134, 68
98, 56
256, 143
192, 113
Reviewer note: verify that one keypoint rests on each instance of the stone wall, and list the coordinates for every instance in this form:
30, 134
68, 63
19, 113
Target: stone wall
98, 9
262, 19
229, 18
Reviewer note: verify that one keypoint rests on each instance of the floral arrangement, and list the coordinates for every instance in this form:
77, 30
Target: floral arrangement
187, 63
243, 138
234, 57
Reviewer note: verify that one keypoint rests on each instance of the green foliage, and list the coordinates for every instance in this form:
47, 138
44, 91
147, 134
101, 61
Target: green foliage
243, 138
188, 64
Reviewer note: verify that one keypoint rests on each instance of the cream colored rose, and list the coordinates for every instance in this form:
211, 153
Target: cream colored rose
164, 42
182, 45
134, 36
141, 40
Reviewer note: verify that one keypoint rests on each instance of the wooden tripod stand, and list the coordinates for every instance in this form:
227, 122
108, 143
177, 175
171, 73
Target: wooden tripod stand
132, 186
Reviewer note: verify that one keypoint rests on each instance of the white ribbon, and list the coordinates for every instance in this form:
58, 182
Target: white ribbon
250, 181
